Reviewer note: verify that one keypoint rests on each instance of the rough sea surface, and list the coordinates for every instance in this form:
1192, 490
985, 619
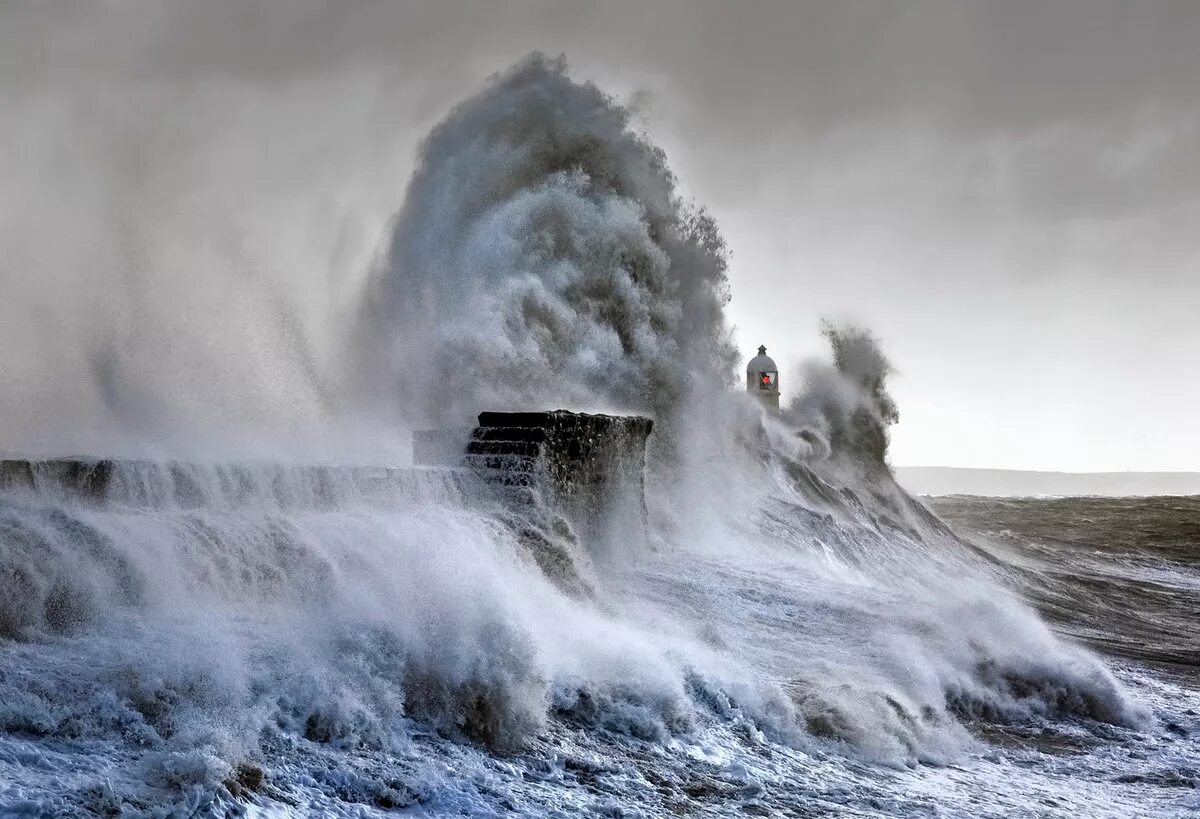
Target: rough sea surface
293, 649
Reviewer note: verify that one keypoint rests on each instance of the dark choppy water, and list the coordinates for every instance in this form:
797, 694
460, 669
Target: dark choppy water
1120, 574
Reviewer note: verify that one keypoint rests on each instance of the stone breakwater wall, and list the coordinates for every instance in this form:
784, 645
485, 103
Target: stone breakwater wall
582, 469
589, 468
144, 484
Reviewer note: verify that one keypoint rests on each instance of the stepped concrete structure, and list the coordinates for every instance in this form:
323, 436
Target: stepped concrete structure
587, 468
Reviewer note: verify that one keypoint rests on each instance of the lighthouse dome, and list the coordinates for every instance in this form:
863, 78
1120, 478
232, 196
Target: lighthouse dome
762, 363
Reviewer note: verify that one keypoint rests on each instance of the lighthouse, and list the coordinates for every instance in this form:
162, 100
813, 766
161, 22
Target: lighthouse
762, 380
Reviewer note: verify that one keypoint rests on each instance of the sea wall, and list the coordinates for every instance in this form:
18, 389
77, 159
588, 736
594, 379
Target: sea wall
144, 484
589, 468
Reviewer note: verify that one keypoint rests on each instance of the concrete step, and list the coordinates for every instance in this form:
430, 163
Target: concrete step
518, 463
532, 449
519, 419
536, 434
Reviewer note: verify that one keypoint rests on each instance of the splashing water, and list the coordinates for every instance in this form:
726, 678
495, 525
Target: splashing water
210, 636
544, 257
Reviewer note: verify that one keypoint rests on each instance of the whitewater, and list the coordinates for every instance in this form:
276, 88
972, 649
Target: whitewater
796, 635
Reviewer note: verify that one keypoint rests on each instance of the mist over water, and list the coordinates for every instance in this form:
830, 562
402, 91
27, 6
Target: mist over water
367, 639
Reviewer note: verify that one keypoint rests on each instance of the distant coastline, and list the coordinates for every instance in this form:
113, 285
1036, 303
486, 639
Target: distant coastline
948, 480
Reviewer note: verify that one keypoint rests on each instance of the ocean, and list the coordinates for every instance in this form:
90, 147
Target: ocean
219, 647
1121, 575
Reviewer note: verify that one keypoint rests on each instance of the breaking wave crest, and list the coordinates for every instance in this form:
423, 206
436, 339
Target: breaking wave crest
543, 257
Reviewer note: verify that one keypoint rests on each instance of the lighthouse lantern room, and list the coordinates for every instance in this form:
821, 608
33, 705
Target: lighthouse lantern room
762, 379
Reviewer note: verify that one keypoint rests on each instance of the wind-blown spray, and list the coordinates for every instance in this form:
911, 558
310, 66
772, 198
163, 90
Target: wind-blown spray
544, 258
845, 405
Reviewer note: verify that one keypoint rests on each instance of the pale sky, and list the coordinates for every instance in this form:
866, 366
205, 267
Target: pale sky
1007, 192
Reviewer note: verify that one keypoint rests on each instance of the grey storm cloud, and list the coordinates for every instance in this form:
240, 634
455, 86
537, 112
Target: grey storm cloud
1097, 99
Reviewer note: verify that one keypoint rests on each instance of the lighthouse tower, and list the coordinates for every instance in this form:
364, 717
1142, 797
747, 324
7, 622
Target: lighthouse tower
762, 380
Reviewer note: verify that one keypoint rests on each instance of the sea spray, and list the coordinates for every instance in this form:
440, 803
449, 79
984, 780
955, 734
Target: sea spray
340, 635
844, 404
544, 258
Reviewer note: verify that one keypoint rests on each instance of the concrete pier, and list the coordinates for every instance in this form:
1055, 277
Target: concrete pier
588, 468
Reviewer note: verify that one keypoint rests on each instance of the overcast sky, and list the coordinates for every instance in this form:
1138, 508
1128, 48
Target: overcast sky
1007, 193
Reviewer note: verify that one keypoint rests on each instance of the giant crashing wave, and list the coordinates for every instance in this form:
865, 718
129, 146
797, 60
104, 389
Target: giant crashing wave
542, 258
